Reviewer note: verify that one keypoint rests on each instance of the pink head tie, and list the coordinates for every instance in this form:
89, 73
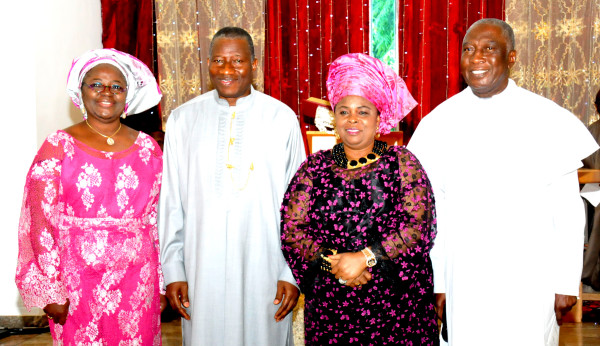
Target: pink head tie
362, 75
142, 89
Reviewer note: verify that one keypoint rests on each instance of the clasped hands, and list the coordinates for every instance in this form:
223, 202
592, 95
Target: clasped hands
351, 267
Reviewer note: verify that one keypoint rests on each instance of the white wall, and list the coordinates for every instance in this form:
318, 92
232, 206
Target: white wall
39, 40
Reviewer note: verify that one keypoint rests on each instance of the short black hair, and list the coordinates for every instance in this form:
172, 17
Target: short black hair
597, 102
507, 31
233, 32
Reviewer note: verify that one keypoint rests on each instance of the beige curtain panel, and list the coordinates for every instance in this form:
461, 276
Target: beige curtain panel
558, 51
184, 30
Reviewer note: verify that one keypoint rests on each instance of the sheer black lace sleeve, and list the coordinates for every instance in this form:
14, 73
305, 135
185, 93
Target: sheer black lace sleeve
411, 224
298, 243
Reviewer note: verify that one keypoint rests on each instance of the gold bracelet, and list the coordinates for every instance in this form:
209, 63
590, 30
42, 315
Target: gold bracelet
325, 261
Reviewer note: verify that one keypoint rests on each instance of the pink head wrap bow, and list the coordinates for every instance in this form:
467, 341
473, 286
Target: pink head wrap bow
362, 75
142, 90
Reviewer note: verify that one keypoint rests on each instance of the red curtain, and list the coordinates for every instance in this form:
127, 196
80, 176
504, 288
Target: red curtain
430, 40
304, 36
128, 26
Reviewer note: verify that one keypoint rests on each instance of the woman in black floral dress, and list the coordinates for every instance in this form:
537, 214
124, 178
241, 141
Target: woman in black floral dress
358, 221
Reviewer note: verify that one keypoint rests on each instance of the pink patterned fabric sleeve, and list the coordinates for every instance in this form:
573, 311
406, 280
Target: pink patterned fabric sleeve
154, 231
38, 276
152, 213
151, 209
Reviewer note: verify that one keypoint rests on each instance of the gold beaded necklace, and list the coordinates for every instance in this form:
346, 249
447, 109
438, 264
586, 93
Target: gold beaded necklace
229, 165
339, 156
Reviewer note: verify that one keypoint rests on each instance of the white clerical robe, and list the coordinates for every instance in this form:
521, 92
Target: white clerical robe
219, 226
510, 219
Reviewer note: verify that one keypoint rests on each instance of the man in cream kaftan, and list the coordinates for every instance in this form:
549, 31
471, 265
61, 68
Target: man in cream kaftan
229, 155
510, 220
219, 227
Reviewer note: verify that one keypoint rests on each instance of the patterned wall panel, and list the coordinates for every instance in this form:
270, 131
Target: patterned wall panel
558, 51
184, 30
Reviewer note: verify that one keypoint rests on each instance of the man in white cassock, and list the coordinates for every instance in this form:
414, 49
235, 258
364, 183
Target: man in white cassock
229, 155
503, 165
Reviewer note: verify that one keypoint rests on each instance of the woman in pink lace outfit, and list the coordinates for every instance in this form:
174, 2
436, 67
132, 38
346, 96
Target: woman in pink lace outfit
88, 245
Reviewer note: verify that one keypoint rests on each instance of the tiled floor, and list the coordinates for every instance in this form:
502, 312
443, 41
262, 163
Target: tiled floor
571, 334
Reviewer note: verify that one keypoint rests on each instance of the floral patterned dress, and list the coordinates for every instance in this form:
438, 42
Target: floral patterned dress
387, 205
88, 233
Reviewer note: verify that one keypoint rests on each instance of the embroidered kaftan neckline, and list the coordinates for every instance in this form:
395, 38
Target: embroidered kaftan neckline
228, 164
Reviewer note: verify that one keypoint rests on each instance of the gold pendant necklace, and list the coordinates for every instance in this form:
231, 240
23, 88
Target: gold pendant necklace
109, 139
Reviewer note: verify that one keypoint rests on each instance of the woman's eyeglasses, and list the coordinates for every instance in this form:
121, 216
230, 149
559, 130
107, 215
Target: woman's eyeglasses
114, 89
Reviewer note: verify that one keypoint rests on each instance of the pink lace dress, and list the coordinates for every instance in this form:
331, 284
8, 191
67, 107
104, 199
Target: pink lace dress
88, 233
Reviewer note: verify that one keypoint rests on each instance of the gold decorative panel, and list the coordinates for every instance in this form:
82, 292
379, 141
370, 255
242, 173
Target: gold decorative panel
184, 30
558, 51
